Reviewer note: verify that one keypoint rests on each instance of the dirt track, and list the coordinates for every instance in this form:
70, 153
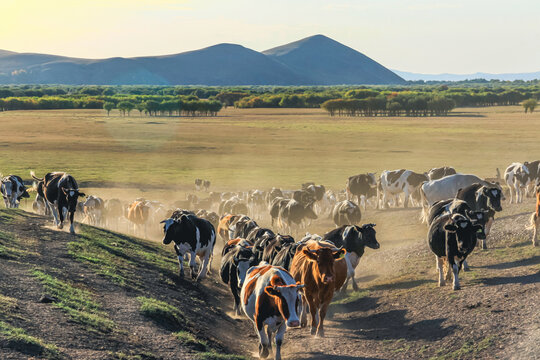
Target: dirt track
400, 313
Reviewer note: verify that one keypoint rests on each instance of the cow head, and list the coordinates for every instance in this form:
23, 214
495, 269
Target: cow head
7, 186
372, 180
324, 259
479, 217
286, 298
243, 260
367, 233
309, 213
173, 228
465, 232
493, 196
72, 195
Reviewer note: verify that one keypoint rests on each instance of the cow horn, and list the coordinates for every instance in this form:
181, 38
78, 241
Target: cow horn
163, 221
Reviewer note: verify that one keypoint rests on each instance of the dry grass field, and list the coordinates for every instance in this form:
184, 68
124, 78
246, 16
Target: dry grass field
260, 148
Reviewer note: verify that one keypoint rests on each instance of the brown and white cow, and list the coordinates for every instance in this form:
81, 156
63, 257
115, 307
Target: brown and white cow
320, 266
393, 183
270, 299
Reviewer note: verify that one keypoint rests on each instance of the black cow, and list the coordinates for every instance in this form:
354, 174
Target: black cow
193, 236
362, 186
234, 265
61, 192
346, 213
452, 237
354, 239
274, 246
294, 212
440, 172
13, 190
481, 197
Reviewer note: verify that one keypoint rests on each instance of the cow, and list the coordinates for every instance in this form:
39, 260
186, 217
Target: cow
193, 236
275, 207
303, 196
452, 238
274, 246
256, 202
354, 239
206, 185
440, 172
294, 213
270, 299
13, 190
362, 186
93, 209
272, 194
242, 227
446, 188
393, 183
535, 217
61, 192
320, 267
138, 213
210, 216
113, 211
534, 176
198, 184
481, 197
284, 257
234, 265
233, 205
517, 178
346, 213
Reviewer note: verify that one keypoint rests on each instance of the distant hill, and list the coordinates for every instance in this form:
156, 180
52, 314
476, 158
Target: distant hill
461, 77
329, 62
317, 60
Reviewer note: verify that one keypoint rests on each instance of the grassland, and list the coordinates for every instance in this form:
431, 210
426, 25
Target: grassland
247, 148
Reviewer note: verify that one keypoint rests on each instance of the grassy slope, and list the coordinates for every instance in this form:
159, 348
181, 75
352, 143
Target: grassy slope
114, 297
261, 147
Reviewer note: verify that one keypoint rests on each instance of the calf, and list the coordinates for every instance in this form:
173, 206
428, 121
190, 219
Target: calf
61, 192
320, 267
193, 236
234, 265
270, 298
93, 209
362, 186
483, 198
440, 172
535, 218
452, 238
346, 213
354, 239
393, 183
517, 178
13, 190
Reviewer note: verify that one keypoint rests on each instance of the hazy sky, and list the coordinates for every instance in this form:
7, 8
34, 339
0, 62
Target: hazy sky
427, 36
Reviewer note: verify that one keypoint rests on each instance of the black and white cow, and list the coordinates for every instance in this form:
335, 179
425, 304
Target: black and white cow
362, 186
517, 178
534, 175
446, 188
274, 246
61, 192
482, 198
295, 213
452, 238
354, 239
393, 183
346, 212
193, 236
440, 172
234, 266
13, 190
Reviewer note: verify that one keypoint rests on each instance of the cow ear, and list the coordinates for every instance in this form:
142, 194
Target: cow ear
339, 253
310, 255
450, 228
82, 194
477, 228
272, 291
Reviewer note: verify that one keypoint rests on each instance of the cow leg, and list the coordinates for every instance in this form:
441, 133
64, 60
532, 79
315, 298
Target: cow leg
204, 267
269, 335
180, 260
280, 334
263, 341
322, 315
314, 311
71, 227
193, 265
440, 269
303, 312
455, 272
535, 232
362, 202
54, 213
406, 198
465, 266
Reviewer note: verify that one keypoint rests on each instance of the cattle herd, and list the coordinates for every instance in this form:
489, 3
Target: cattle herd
274, 279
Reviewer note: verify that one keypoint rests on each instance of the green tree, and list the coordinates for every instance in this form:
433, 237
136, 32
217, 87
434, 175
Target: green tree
530, 105
125, 106
108, 106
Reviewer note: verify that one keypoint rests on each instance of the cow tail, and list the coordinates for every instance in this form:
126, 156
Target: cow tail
33, 174
424, 203
446, 268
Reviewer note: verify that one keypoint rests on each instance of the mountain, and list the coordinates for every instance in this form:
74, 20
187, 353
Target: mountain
329, 62
317, 60
461, 77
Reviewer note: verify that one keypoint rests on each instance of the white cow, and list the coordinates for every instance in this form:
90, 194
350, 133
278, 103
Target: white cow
395, 182
517, 178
